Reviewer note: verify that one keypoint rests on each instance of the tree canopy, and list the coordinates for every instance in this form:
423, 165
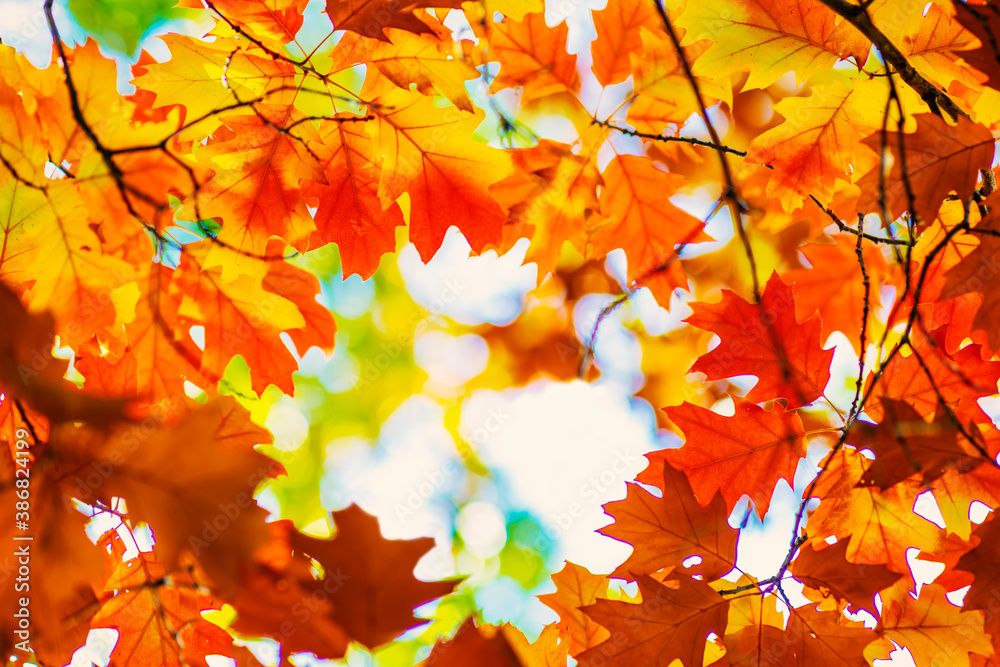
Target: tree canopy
783, 212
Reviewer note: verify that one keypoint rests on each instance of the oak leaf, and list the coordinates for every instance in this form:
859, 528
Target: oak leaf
960, 379
375, 590
770, 38
577, 587
930, 626
828, 571
745, 454
660, 535
765, 340
533, 56
938, 159
672, 622
904, 443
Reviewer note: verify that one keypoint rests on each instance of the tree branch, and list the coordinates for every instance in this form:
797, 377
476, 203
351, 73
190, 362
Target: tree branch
858, 17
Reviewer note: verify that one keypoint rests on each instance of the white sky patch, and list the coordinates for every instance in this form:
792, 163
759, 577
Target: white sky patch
566, 449
469, 290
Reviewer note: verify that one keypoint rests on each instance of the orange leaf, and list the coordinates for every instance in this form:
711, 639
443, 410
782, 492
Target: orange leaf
576, 587
666, 531
670, 623
533, 56
642, 221
618, 38
765, 340
827, 570
374, 591
939, 159
744, 454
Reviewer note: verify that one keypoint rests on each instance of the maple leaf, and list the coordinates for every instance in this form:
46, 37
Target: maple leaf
375, 591
938, 159
660, 536
744, 454
577, 587
670, 623
765, 340
827, 570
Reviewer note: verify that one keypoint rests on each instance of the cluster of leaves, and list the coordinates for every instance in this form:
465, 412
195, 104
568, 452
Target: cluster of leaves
131, 222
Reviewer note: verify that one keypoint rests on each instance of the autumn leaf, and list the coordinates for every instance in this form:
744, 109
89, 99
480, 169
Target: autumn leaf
820, 140
745, 454
663, 538
834, 286
960, 379
29, 371
577, 587
827, 637
472, 645
671, 622
446, 177
971, 276
375, 591
275, 22
371, 17
533, 56
642, 223
904, 444
770, 38
938, 160
349, 212
765, 340
755, 632
618, 38
828, 571
880, 525
929, 625
158, 617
